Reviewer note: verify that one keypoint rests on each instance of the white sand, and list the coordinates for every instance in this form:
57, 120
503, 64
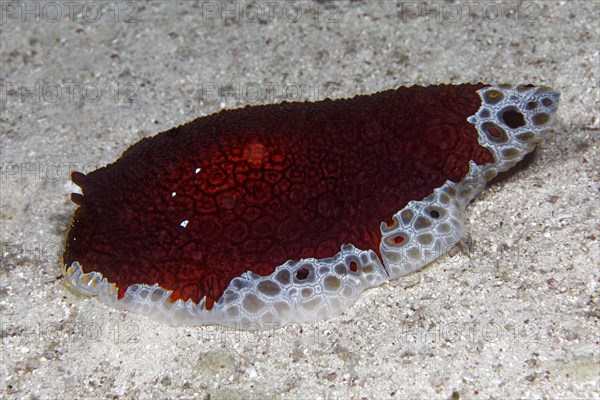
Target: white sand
514, 312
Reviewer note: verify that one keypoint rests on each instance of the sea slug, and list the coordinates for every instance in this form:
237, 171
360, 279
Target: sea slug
266, 215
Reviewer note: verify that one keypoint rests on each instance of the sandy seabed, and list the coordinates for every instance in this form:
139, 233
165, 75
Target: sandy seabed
512, 312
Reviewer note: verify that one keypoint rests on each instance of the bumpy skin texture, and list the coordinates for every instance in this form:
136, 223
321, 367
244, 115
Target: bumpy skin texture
285, 213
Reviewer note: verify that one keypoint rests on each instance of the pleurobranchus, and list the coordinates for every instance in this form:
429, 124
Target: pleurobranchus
265, 215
